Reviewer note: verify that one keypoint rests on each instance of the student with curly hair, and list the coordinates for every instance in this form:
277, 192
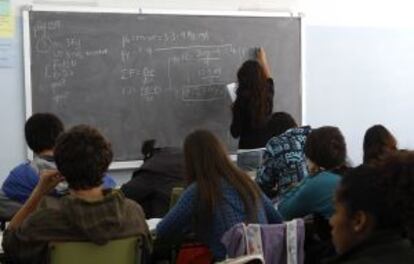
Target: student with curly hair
373, 211
325, 150
88, 213
378, 143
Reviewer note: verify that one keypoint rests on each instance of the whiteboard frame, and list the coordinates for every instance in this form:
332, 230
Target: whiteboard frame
122, 165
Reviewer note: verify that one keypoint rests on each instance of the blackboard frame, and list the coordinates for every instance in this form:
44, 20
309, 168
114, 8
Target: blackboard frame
136, 163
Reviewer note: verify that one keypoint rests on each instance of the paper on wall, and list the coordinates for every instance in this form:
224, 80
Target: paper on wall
6, 19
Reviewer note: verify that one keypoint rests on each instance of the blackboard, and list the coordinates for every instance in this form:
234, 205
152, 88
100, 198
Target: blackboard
144, 76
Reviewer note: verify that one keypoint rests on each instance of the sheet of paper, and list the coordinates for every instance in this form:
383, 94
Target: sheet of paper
231, 89
152, 223
1, 241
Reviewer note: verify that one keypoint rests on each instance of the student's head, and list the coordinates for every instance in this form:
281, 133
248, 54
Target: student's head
280, 122
41, 131
148, 149
208, 164
82, 156
378, 142
250, 74
374, 198
325, 148
253, 85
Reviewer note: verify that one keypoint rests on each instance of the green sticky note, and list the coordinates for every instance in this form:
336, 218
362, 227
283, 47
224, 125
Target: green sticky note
4, 7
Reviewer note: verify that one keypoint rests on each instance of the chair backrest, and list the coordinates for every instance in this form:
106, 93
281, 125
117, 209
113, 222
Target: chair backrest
175, 195
279, 243
122, 251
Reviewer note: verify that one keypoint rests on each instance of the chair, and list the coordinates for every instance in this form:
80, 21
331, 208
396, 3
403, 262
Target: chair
279, 243
175, 195
122, 251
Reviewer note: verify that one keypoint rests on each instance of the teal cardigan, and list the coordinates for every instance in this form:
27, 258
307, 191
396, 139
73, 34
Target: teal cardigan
313, 195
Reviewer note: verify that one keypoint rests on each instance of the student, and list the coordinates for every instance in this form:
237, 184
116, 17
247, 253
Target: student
88, 213
373, 209
41, 131
378, 143
284, 162
254, 103
325, 150
152, 183
218, 197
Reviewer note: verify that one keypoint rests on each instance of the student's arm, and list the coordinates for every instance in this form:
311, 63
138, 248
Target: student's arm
261, 58
273, 216
267, 174
48, 181
178, 219
138, 188
298, 201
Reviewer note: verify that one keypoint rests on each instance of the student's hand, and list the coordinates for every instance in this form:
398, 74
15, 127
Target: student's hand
48, 180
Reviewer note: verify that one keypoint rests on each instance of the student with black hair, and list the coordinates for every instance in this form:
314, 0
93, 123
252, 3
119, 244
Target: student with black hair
151, 184
88, 213
284, 162
373, 210
41, 131
325, 150
378, 143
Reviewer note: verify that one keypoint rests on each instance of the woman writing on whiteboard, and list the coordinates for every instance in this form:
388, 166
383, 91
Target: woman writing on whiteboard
254, 103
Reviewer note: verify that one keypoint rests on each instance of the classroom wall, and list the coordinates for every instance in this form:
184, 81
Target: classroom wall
357, 66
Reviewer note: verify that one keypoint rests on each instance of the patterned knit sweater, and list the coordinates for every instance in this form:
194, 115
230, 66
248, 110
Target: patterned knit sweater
230, 212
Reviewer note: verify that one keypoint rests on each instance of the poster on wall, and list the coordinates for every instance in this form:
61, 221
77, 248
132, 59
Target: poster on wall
7, 32
6, 53
6, 20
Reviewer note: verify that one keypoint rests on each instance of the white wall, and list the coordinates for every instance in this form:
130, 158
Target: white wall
359, 67
349, 82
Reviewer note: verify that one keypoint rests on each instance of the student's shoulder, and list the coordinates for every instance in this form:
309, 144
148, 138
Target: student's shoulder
133, 206
324, 178
297, 132
24, 166
23, 169
275, 144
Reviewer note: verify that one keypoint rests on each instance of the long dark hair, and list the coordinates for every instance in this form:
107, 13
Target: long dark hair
253, 87
378, 143
207, 163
